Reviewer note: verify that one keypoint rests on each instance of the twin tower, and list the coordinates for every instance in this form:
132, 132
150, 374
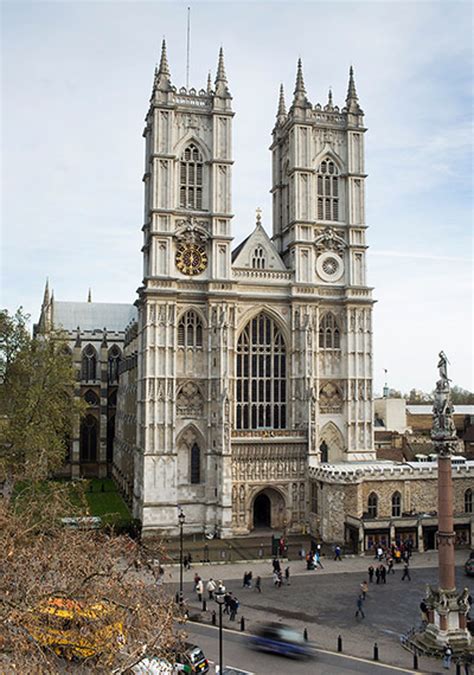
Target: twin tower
253, 364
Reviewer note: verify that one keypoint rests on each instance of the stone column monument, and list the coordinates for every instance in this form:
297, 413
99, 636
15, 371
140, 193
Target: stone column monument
447, 608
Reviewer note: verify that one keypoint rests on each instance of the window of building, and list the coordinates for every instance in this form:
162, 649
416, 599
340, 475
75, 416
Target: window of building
113, 364
88, 439
190, 330
468, 501
314, 497
261, 376
328, 190
91, 398
258, 258
372, 505
195, 464
190, 178
396, 505
329, 333
89, 364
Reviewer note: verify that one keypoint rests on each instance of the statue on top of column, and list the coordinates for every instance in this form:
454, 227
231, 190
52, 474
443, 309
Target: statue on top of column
443, 428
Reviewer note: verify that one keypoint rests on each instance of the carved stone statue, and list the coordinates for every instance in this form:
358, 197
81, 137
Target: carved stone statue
443, 429
443, 367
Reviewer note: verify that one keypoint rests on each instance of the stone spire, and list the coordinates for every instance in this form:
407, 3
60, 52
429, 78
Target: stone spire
46, 293
209, 83
281, 113
299, 98
162, 73
352, 101
89, 295
221, 77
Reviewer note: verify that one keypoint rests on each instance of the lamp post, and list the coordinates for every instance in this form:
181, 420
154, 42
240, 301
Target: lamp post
219, 597
181, 519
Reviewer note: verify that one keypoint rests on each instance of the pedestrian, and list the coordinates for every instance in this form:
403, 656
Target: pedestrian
220, 586
276, 565
260, 551
196, 579
281, 546
244, 582
302, 553
406, 571
249, 579
258, 584
227, 601
233, 608
424, 611
287, 576
317, 559
364, 587
360, 609
211, 587
371, 573
309, 561
379, 553
390, 565
377, 575
383, 574
280, 578
337, 553
186, 562
447, 656
275, 578
199, 589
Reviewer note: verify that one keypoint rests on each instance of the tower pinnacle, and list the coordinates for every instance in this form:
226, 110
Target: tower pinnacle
221, 77
46, 293
162, 79
352, 101
164, 68
281, 112
299, 98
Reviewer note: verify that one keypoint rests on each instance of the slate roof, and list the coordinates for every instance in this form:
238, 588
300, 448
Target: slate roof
93, 315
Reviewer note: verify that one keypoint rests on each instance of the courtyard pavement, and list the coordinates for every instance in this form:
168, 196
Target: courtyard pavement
324, 601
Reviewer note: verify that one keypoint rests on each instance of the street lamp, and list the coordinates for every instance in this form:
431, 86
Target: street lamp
219, 597
181, 519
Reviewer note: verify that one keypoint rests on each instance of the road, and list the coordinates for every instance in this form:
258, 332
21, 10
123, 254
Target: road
239, 655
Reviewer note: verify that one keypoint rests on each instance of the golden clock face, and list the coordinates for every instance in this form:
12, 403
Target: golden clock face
191, 259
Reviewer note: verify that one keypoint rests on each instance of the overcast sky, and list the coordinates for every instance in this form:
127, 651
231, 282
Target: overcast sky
76, 80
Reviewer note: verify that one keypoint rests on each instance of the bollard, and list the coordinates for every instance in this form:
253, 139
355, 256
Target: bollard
242, 624
213, 617
339, 643
415, 661
176, 598
376, 652
204, 605
305, 634
458, 668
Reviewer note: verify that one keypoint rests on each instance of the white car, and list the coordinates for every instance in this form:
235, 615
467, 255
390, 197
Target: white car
154, 666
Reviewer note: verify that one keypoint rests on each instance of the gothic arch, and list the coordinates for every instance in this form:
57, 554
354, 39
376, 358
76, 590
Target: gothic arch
332, 436
253, 312
187, 441
196, 309
329, 153
277, 507
189, 139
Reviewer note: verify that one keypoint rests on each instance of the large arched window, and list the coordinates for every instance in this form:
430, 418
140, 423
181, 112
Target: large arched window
190, 330
468, 501
190, 178
195, 464
89, 364
396, 505
329, 334
88, 440
261, 376
372, 505
113, 364
328, 190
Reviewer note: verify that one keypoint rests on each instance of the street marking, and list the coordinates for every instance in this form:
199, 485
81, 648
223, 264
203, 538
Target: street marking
320, 650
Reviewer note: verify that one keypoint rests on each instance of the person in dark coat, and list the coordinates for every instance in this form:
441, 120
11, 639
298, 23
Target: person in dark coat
360, 609
371, 573
383, 574
377, 575
406, 571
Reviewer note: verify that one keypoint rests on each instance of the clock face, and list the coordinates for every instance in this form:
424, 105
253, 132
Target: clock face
191, 259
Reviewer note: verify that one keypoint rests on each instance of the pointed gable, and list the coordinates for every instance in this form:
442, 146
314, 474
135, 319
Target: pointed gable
257, 252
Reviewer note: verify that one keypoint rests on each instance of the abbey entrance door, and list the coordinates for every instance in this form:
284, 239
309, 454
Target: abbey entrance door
268, 509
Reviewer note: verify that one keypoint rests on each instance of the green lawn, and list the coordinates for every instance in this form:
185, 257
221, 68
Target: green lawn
104, 500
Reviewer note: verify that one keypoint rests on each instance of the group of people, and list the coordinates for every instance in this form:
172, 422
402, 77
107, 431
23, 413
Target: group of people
277, 574
247, 581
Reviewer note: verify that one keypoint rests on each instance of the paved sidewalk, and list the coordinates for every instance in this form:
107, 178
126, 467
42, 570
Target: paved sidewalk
323, 602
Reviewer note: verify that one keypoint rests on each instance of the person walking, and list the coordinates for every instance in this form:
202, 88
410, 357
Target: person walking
360, 609
227, 602
383, 574
200, 589
211, 587
377, 575
371, 573
258, 584
233, 607
317, 559
406, 571
447, 656
337, 553
390, 565
276, 565
364, 587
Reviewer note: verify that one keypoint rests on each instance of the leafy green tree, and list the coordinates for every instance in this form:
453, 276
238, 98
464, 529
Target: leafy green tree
37, 404
460, 396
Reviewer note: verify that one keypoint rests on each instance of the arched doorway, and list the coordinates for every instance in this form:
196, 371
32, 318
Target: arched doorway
262, 511
269, 509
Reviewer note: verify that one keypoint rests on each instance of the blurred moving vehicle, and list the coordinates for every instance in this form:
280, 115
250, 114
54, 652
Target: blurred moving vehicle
76, 628
469, 565
273, 637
